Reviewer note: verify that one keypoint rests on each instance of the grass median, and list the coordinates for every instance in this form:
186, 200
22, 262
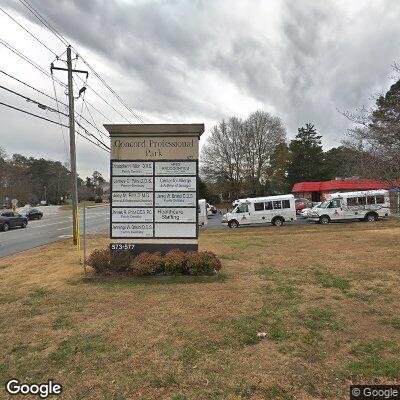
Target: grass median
326, 298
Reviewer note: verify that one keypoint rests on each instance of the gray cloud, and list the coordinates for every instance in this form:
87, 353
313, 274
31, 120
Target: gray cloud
204, 60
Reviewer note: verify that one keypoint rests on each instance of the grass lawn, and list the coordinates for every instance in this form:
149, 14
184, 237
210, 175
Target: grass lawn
327, 298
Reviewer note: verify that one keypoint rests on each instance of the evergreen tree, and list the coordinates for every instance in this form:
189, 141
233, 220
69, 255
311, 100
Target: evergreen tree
277, 171
306, 157
202, 188
342, 162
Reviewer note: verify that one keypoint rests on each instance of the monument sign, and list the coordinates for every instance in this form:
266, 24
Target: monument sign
153, 174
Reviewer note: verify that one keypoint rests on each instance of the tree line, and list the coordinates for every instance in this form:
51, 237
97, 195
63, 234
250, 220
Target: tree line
252, 157
31, 180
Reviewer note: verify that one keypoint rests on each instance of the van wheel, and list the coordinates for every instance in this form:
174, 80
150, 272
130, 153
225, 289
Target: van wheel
278, 221
324, 219
371, 217
233, 224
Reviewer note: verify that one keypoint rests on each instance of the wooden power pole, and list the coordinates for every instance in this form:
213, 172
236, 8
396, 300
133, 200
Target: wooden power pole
74, 178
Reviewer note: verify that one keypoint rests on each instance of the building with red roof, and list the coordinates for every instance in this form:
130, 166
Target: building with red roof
318, 191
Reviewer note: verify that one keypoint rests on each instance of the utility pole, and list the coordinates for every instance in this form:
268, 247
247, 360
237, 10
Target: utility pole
74, 180
72, 153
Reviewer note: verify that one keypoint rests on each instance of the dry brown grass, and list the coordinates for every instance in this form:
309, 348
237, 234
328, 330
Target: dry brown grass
327, 297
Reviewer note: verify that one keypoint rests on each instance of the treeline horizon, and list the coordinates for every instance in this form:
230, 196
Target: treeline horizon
31, 180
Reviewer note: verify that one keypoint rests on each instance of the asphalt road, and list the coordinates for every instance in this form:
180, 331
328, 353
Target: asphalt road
55, 225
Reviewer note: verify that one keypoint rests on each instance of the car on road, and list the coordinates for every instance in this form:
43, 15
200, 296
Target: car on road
300, 204
211, 209
305, 212
31, 213
11, 219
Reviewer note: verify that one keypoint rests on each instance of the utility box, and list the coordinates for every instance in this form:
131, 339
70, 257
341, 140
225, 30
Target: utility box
153, 176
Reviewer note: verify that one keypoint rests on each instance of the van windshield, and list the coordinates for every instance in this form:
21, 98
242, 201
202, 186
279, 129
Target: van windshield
324, 204
241, 208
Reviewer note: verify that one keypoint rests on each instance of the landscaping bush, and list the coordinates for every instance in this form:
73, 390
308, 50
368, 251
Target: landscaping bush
120, 261
174, 262
146, 264
100, 261
202, 263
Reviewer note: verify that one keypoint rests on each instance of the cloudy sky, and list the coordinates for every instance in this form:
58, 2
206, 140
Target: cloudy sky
187, 61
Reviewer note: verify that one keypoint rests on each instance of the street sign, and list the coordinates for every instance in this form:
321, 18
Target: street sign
154, 172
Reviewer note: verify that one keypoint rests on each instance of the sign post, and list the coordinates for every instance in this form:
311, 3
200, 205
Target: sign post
153, 174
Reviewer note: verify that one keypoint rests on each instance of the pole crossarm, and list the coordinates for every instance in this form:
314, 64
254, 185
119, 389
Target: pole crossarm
78, 71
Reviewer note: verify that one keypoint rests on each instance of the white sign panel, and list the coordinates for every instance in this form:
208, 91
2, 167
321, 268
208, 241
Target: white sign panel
129, 168
175, 168
175, 199
140, 199
132, 215
132, 183
175, 230
132, 230
181, 183
175, 215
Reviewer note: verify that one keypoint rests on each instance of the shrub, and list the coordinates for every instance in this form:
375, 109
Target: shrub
146, 264
98, 199
120, 260
202, 263
100, 261
174, 261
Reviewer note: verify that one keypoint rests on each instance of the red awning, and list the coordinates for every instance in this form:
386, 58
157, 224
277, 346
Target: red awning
342, 184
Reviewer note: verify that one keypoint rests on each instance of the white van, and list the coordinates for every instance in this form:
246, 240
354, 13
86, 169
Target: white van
202, 212
368, 205
274, 209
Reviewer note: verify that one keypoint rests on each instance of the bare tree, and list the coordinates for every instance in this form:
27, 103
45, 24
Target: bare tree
3, 154
222, 156
262, 133
376, 134
239, 152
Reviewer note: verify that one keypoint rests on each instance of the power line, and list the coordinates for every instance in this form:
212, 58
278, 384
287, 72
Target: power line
107, 149
30, 61
91, 134
59, 118
102, 80
59, 101
81, 114
91, 116
44, 22
45, 107
40, 105
105, 101
33, 88
49, 120
27, 31
100, 112
33, 115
